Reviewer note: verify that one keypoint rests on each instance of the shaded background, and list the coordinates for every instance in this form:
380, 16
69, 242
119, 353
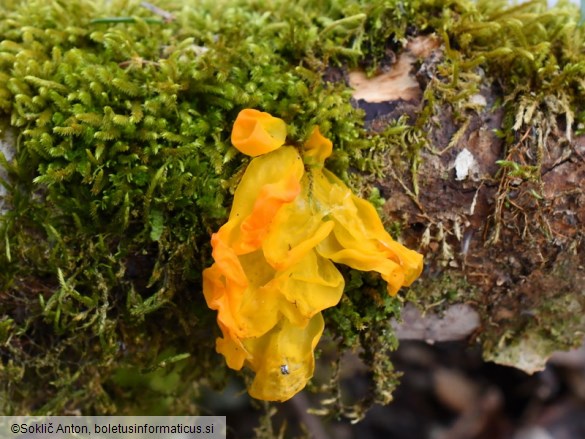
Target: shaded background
446, 392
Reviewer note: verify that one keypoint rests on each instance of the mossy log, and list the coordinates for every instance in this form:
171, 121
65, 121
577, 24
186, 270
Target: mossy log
460, 121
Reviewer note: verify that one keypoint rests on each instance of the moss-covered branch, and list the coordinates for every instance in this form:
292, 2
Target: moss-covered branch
123, 167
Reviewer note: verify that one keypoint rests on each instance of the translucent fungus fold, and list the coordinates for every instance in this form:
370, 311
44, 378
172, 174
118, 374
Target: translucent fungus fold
255, 132
284, 359
273, 270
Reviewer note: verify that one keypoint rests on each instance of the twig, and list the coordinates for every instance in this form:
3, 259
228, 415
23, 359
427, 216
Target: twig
167, 16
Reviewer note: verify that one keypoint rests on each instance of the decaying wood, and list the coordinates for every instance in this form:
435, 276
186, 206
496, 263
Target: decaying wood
517, 242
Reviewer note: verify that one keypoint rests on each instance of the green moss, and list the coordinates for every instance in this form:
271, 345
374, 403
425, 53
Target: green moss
361, 322
438, 292
124, 167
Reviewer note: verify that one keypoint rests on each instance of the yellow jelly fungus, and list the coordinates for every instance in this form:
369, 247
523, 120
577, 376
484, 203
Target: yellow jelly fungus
256, 133
284, 360
274, 269
317, 148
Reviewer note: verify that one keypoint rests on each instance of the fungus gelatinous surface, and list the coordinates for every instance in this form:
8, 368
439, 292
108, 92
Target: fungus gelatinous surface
255, 132
274, 271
